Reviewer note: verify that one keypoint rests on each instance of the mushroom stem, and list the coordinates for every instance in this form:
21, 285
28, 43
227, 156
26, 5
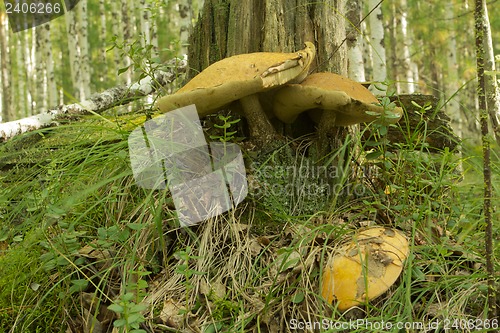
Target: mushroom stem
326, 130
259, 125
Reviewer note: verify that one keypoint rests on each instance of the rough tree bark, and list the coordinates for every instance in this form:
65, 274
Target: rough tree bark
491, 86
480, 32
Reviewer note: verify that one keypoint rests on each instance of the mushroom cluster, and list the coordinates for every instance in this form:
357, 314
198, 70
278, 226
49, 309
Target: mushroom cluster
241, 78
350, 101
244, 77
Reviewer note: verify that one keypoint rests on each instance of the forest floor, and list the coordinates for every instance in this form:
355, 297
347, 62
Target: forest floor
84, 249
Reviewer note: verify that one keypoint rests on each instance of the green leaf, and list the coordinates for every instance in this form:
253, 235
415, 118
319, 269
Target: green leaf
78, 285
136, 226
298, 297
123, 70
116, 308
138, 307
135, 318
119, 322
127, 297
373, 155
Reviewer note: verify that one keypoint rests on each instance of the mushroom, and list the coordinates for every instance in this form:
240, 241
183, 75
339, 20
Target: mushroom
242, 77
364, 268
329, 92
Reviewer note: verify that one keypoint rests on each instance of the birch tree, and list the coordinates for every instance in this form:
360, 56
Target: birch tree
377, 44
84, 79
118, 32
40, 69
406, 41
7, 105
491, 87
22, 100
356, 70
452, 84
185, 16
73, 51
127, 33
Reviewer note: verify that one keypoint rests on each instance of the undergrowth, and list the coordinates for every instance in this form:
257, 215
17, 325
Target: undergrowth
83, 249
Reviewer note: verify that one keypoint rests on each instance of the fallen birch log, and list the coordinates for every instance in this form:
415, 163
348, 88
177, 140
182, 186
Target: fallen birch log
97, 103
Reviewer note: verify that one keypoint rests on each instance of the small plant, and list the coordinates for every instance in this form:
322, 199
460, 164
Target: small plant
226, 125
129, 307
184, 256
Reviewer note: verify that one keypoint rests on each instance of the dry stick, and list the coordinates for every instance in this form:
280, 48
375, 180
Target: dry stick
97, 103
483, 114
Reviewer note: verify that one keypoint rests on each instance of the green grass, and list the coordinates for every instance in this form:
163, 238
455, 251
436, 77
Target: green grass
77, 235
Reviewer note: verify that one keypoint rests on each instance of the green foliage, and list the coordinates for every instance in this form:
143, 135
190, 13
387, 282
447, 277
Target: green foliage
129, 306
72, 193
227, 123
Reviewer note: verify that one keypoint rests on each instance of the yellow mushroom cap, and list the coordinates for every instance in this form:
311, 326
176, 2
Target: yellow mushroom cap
364, 268
238, 76
327, 92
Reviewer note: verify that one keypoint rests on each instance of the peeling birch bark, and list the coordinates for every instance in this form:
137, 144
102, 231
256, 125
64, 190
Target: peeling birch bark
97, 103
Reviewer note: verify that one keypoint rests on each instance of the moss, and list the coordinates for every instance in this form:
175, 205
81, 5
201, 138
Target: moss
26, 298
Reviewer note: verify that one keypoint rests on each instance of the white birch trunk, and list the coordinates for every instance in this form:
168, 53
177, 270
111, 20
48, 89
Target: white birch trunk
355, 64
154, 30
84, 79
491, 85
408, 86
451, 85
185, 10
22, 90
98, 103
6, 113
144, 22
116, 16
367, 51
47, 55
73, 51
103, 39
127, 33
377, 44
393, 69
40, 71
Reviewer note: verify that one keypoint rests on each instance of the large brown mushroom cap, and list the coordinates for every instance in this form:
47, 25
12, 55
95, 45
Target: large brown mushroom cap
328, 92
242, 75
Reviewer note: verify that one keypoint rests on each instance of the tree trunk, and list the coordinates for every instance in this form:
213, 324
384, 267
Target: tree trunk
127, 33
41, 69
480, 32
452, 83
408, 86
377, 43
356, 70
84, 80
103, 41
7, 107
491, 86
230, 27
